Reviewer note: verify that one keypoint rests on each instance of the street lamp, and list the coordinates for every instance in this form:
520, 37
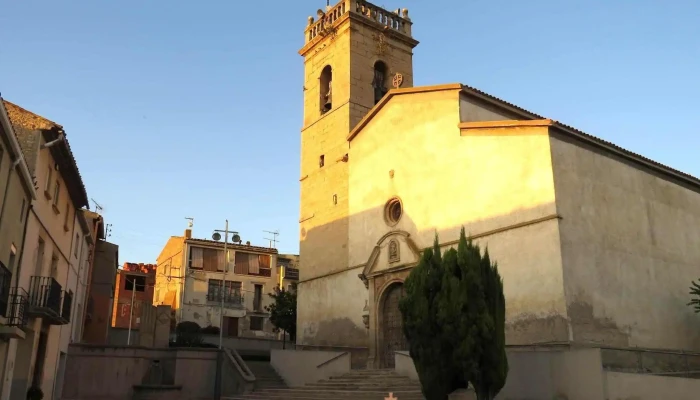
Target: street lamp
217, 236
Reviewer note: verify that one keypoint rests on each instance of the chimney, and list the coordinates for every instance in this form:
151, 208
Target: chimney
188, 233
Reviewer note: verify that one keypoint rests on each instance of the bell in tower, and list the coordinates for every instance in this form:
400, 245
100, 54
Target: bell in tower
379, 81
326, 89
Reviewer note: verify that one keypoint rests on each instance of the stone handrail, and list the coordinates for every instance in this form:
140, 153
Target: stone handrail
240, 365
397, 20
236, 376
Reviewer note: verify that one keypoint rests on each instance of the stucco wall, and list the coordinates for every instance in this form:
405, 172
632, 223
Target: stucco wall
197, 308
329, 310
629, 247
89, 367
484, 179
13, 195
649, 387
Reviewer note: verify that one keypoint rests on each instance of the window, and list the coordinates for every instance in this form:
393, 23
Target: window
379, 81
56, 192
326, 98
13, 257
231, 291
393, 211
321, 161
22, 210
252, 264
137, 281
39, 257
257, 300
256, 323
207, 259
54, 266
65, 217
47, 187
77, 243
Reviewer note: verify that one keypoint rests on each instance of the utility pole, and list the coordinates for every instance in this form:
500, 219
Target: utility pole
131, 311
223, 281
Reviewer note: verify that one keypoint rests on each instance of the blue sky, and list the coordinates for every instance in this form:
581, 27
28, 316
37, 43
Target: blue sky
192, 109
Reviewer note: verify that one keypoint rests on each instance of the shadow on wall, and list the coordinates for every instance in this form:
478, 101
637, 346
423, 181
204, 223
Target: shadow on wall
189, 373
524, 242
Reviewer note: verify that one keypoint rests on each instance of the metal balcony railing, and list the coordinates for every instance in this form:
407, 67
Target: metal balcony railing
292, 274
5, 282
232, 299
17, 308
45, 299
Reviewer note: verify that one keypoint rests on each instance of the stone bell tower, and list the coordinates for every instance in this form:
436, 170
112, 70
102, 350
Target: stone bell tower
354, 52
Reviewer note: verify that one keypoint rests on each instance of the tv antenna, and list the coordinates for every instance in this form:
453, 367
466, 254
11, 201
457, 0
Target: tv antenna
98, 208
273, 241
190, 222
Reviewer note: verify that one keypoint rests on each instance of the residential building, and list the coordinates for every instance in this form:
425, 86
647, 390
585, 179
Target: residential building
288, 267
54, 262
133, 289
104, 262
596, 245
191, 279
17, 193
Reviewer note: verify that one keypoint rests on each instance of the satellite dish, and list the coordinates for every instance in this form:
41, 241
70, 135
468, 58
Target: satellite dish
216, 236
236, 238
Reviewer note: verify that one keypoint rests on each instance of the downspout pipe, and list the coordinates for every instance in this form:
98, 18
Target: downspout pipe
60, 138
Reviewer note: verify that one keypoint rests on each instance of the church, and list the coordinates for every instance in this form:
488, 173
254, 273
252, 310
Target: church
596, 245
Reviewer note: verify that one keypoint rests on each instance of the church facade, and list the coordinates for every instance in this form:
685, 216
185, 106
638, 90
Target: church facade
595, 244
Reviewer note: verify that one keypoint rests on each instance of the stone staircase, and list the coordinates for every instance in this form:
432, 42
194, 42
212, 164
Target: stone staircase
355, 385
265, 376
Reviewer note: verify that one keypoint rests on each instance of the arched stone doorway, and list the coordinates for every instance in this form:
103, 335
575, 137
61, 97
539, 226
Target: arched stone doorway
391, 326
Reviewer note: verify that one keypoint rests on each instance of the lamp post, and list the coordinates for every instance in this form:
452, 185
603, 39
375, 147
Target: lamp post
223, 281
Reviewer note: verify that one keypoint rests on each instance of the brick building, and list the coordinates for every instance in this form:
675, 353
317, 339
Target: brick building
134, 281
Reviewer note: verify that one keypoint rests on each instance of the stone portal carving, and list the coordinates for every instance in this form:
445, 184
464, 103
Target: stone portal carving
394, 251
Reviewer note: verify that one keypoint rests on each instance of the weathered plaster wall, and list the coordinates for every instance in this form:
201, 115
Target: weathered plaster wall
329, 310
352, 54
197, 308
485, 179
170, 274
323, 223
630, 250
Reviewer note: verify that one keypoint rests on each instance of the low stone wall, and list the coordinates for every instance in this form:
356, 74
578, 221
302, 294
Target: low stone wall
623, 385
358, 355
114, 372
563, 372
297, 368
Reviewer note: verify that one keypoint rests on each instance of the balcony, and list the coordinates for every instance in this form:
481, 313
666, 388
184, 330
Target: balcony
5, 282
291, 274
45, 300
264, 272
230, 299
16, 315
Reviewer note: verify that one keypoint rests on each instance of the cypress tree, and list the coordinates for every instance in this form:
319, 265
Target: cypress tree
429, 347
454, 319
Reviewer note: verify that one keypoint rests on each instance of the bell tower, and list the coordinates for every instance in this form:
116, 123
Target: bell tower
352, 52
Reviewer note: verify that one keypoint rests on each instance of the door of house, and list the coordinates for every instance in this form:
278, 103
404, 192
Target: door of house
393, 338
231, 326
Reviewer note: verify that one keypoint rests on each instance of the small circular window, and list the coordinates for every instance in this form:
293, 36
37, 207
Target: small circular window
393, 211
